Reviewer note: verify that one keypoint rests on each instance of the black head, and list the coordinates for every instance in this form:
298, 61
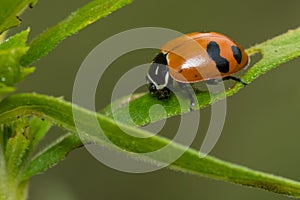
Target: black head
159, 78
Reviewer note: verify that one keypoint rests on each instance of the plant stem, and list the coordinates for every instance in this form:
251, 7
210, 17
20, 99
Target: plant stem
17, 191
21, 191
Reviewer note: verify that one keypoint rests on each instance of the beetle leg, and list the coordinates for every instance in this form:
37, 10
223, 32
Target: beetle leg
184, 87
164, 93
235, 79
152, 89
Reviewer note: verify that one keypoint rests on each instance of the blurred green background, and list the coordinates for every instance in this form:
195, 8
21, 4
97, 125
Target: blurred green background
262, 125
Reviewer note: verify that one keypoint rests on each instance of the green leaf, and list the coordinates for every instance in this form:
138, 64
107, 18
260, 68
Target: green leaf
274, 52
16, 41
52, 155
18, 139
60, 113
9, 11
84, 16
21, 136
5, 89
14, 155
37, 130
11, 71
6, 132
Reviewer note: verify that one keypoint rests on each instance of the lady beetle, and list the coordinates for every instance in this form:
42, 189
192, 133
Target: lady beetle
192, 58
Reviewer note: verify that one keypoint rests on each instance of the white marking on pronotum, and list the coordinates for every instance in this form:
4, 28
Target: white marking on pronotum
159, 87
166, 79
156, 70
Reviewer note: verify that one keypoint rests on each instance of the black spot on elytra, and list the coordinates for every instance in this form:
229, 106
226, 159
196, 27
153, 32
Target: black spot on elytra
237, 54
213, 50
